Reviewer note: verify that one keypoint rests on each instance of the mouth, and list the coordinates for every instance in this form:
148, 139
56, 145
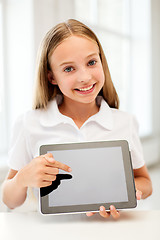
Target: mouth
86, 89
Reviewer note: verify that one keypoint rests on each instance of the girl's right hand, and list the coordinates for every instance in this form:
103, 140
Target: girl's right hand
41, 171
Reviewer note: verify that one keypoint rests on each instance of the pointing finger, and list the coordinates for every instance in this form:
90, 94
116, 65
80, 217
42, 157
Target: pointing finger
62, 166
49, 157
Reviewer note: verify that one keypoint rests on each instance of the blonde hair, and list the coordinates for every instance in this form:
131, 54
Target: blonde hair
44, 90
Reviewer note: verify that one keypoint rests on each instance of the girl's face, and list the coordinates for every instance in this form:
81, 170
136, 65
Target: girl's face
77, 69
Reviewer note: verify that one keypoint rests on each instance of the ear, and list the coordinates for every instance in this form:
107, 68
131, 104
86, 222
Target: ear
51, 78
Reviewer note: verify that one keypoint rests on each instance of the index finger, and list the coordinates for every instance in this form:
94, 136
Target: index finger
53, 163
62, 166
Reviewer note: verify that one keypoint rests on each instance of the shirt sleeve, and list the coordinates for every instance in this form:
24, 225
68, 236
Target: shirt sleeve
136, 146
19, 154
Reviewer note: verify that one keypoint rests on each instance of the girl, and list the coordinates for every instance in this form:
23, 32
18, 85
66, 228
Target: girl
75, 100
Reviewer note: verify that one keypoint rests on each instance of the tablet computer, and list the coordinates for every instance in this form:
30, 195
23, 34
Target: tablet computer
101, 174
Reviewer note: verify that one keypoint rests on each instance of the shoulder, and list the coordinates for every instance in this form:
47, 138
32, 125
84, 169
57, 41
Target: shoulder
30, 115
33, 115
116, 117
119, 114
125, 118
116, 113
38, 117
29, 118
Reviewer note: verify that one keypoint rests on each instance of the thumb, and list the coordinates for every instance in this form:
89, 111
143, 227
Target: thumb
49, 157
138, 194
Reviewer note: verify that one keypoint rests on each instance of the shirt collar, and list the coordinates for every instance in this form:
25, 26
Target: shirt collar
52, 117
104, 117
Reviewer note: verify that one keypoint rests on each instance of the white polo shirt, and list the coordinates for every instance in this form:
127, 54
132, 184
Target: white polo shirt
39, 127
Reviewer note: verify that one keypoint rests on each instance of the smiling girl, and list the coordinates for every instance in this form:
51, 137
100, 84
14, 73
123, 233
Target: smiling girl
75, 101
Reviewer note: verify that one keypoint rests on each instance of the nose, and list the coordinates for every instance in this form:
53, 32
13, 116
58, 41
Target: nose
84, 75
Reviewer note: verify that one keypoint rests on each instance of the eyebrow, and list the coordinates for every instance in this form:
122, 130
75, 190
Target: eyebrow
71, 62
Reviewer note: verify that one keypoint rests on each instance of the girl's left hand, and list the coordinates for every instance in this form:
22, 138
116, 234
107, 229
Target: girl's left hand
113, 211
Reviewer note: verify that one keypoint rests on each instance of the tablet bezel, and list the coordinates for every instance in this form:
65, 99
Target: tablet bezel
132, 201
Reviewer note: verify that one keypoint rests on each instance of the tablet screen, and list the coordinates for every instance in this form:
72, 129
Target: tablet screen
92, 171
101, 174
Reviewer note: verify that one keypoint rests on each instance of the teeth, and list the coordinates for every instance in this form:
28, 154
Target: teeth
86, 89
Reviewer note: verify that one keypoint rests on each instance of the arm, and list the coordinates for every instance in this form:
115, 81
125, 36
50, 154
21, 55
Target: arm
142, 181
13, 193
40, 172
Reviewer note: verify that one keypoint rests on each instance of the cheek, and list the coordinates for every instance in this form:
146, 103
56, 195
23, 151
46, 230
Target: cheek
99, 75
65, 84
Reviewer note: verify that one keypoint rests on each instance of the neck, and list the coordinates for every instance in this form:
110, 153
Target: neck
79, 112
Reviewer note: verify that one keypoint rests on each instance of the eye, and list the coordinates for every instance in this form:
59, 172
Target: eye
68, 69
92, 62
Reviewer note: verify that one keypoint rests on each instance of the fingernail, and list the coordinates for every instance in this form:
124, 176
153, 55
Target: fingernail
69, 170
111, 207
101, 208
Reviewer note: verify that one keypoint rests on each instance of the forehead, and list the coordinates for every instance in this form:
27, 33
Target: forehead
75, 46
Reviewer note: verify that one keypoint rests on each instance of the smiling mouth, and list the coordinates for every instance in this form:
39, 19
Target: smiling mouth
85, 89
